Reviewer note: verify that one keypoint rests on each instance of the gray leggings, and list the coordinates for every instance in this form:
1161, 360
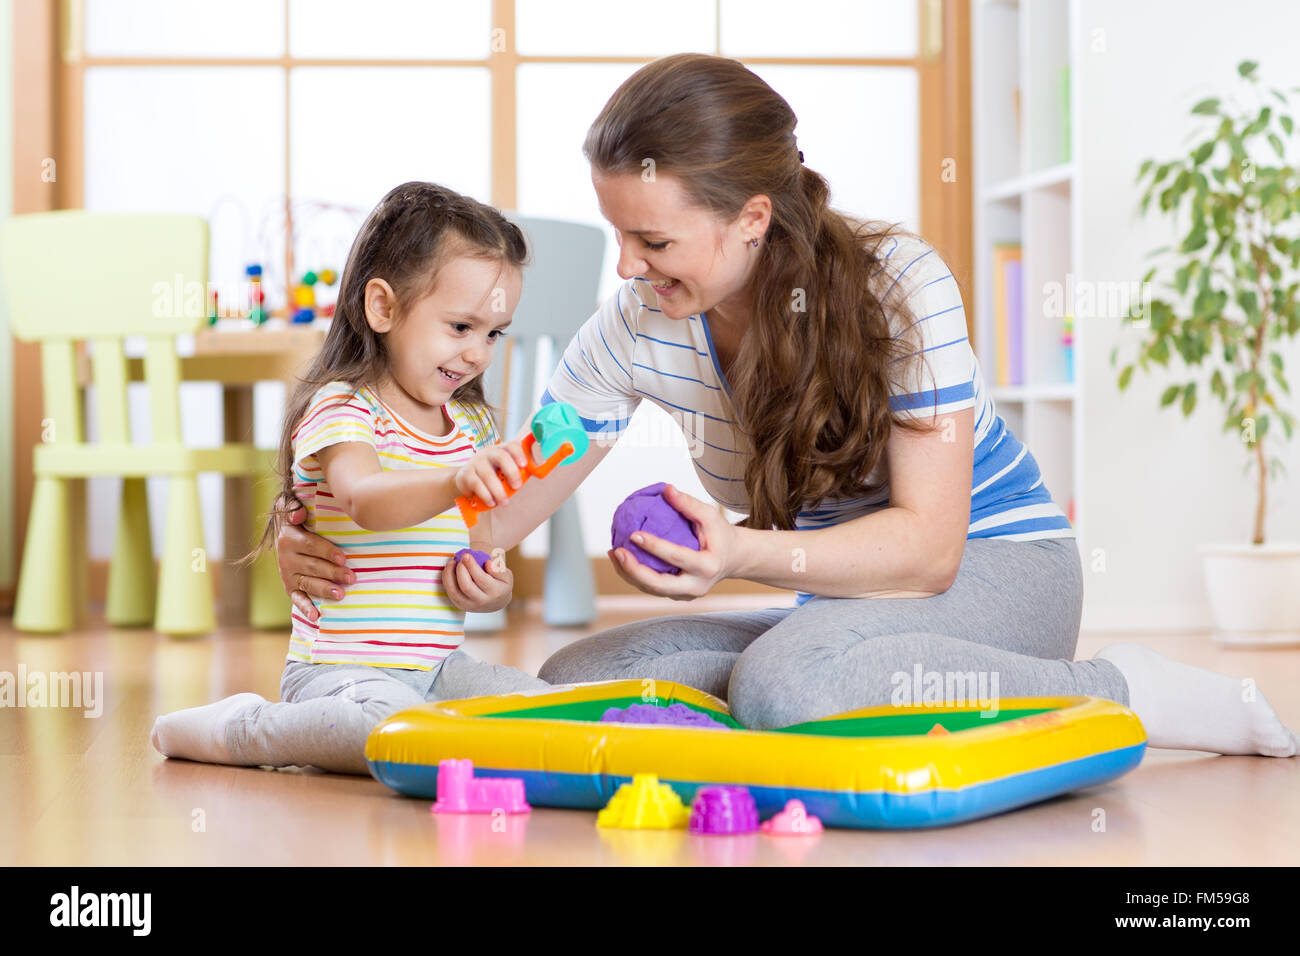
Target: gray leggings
1012, 615
326, 711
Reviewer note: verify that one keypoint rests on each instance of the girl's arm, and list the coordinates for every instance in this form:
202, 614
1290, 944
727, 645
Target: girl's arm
380, 500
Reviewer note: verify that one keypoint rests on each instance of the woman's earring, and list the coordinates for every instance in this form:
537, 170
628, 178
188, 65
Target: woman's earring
754, 243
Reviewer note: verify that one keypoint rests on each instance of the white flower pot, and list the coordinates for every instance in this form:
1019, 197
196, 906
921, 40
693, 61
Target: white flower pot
1254, 593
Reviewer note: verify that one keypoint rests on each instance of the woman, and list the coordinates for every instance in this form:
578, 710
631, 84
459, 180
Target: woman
822, 369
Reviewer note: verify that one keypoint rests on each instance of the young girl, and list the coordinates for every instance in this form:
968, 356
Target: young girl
386, 429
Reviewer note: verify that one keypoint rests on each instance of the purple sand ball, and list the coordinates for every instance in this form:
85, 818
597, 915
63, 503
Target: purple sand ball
674, 714
723, 809
647, 510
482, 557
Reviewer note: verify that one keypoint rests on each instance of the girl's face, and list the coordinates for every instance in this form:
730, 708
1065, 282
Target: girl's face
450, 335
694, 261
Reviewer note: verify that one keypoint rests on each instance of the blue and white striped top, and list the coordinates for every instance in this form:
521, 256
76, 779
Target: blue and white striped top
629, 350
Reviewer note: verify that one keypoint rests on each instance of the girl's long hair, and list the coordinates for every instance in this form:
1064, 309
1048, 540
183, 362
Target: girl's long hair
811, 380
416, 229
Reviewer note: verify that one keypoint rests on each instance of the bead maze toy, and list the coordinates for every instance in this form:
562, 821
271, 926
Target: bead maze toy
644, 804
256, 295
878, 767
460, 792
304, 294
558, 430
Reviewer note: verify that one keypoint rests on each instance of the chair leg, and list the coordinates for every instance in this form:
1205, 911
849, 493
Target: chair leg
45, 582
131, 576
268, 605
569, 587
185, 603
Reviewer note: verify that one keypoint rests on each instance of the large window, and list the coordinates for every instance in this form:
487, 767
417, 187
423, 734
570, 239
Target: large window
284, 121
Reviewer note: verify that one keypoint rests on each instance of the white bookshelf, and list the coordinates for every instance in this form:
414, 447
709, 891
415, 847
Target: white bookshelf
1027, 191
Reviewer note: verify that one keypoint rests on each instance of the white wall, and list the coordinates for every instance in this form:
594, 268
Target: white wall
1157, 485
8, 569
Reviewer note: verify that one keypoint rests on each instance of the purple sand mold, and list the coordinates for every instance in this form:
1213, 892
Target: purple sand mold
647, 510
674, 714
722, 809
482, 557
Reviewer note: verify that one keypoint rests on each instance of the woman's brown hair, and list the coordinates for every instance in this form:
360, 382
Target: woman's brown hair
811, 387
415, 230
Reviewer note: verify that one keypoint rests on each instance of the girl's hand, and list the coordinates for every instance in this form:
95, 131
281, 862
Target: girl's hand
309, 565
700, 570
472, 588
479, 476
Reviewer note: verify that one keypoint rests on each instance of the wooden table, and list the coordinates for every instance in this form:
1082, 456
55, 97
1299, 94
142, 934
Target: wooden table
238, 356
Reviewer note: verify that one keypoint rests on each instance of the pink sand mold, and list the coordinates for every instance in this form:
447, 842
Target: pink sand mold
647, 510
460, 792
482, 557
794, 820
722, 809
674, 714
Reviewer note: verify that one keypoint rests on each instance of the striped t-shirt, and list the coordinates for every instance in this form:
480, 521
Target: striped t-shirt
629, 350
396, 614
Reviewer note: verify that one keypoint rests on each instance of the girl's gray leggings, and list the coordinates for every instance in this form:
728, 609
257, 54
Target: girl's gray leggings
1009, 625
326, 711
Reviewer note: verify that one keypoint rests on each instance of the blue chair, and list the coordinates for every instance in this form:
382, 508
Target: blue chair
559, 295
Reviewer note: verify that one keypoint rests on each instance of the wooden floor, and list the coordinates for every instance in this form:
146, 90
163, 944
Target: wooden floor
92, 791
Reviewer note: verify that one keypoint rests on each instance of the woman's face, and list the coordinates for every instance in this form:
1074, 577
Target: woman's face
693, 261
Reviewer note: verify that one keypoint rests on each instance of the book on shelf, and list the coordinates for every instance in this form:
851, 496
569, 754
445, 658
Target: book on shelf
1008, 313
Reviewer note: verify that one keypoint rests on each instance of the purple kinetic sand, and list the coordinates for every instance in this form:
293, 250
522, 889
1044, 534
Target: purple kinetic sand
720, 809
646, 510
676, 714
482, 557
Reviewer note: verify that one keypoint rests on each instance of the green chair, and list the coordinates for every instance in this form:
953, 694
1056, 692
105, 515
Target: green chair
100, 277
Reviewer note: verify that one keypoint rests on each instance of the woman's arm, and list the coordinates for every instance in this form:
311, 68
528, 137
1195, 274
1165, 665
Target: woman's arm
540, 498
911, 549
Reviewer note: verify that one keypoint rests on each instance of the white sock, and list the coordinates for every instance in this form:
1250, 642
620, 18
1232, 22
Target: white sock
199, 733
1189, 708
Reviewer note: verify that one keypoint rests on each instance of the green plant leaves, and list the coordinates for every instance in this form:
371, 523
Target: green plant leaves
1207, 107
1246, 68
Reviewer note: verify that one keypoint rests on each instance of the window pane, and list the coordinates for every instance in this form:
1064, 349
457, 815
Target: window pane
395, 29
860, 128
184, 28
617, 28
554, 178
359, 131
818, 28
204, 140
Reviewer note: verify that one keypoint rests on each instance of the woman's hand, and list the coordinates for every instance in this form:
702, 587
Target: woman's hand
309, 565
700, 570
472, 588
480, 476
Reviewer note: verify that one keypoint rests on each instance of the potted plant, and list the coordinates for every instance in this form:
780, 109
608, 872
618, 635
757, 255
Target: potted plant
1232, 294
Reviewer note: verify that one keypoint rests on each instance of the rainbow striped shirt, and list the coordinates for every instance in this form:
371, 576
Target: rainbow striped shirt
396, 614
